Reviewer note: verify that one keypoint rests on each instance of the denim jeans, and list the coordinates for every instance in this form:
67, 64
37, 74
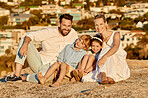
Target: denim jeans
34, 61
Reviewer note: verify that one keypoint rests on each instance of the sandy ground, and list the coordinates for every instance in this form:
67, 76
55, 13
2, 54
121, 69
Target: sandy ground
134, 87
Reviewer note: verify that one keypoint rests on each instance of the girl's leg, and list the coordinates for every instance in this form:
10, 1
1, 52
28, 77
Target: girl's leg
63, 71
51, 70
91, 60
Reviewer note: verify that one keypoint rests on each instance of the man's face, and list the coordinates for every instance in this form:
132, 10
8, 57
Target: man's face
65, 26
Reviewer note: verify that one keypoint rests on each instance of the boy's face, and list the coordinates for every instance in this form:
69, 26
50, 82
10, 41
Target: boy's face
80, 44
95, 46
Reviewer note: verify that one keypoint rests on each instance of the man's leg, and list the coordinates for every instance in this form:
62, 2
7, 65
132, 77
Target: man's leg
33, 58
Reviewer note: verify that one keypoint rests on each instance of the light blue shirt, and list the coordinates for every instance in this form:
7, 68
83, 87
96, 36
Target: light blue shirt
71, 57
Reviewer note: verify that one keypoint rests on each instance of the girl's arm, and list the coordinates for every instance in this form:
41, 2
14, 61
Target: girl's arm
116, 44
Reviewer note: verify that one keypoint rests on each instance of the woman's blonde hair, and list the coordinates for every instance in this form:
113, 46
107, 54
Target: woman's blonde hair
86, 40
101, 15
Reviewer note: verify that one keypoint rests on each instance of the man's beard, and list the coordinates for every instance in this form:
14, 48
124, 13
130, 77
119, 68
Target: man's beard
63, 33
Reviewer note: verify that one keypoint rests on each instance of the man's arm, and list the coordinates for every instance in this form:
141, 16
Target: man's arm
24, 48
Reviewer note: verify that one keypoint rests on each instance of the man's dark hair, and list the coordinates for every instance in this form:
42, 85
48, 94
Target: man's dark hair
66, 16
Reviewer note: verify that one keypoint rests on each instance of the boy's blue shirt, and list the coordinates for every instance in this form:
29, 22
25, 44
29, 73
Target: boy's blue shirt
71, 57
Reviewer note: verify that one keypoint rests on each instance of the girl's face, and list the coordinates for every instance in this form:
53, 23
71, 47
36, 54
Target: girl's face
80, 44
100, 26
95, 46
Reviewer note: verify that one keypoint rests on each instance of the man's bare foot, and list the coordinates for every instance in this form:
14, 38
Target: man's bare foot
24, 77
56, 84
110, 80
103, 78
41, 78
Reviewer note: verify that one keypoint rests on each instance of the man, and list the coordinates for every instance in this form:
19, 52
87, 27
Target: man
53, 40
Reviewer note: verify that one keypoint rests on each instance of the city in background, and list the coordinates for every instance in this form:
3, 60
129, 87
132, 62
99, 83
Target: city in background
17, 17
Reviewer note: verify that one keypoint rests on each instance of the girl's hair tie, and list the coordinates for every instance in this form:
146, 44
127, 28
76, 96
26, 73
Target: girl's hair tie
97, 38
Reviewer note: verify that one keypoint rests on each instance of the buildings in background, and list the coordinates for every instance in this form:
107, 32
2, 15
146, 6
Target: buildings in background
130, 37
4, 12
18, 18
9, 39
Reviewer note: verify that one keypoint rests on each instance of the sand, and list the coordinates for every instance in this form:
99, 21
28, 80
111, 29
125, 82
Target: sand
134, 87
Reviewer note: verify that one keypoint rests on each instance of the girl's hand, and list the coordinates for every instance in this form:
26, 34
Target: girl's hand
102, 61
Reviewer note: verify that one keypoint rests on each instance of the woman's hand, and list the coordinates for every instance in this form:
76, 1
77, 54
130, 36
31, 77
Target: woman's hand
102, 61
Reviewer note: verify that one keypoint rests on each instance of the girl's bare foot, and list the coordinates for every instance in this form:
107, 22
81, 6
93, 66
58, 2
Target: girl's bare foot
103, 78
110, 80
41, 78
56, 84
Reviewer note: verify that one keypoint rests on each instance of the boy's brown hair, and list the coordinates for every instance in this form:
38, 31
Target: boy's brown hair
86, 40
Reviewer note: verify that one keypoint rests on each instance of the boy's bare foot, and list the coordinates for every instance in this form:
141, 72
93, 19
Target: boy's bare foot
72, 80
103, 78
56, 84
41, 78
75, 74
80, 74
110, 80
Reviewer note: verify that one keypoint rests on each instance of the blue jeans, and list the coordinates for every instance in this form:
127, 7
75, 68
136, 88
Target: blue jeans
34, 61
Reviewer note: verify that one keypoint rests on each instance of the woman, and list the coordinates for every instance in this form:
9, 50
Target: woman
111, 65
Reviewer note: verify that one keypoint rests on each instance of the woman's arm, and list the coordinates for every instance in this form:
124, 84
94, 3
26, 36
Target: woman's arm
116, 44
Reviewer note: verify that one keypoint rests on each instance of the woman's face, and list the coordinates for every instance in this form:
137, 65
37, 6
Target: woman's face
100, 26
95, 46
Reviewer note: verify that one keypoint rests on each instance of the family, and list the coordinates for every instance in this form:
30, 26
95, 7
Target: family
88, 59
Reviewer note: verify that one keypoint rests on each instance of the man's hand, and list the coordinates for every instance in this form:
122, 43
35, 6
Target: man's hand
24, 49
102, 60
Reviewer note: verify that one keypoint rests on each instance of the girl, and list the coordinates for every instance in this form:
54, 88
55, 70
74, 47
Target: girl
111, 66
68, 60
88, 63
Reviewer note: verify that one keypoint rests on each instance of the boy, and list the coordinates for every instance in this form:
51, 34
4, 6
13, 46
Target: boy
68, 60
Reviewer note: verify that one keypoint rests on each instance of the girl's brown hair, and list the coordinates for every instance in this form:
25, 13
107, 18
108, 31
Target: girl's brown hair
86, 40
96, 38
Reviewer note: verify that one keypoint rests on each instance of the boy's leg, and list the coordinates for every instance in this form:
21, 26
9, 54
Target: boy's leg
63, 70
50, 71
83, 63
